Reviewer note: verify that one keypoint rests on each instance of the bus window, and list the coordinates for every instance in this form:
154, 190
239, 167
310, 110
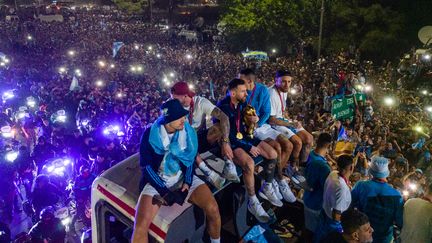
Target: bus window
118, 229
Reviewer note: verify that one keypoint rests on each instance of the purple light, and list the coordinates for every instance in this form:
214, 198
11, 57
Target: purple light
11, 156
8, 95
59, 170
50, 169
66, 161
85, 122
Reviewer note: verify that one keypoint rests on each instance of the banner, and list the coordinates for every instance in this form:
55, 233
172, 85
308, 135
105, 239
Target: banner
116, 47
260, 55
344, 108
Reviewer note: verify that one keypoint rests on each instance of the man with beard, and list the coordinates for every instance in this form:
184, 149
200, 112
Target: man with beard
245, 147
279, 119
200, 109
259, 98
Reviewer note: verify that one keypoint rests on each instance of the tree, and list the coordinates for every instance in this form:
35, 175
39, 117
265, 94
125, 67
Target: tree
374, 28
132, 6
382, 29
265, 24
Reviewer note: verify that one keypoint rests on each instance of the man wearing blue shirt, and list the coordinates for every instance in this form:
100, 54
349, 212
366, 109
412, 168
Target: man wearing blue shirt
259, 98
379, 201
316, 172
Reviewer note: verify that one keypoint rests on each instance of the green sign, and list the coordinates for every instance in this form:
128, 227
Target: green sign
344, 108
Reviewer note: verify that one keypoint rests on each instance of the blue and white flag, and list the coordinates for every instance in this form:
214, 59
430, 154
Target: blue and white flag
116, 47
74, 84
342, 134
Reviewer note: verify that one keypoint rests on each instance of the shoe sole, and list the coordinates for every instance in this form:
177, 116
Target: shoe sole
266, 198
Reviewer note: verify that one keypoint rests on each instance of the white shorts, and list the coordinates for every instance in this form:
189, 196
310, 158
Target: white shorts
266, 131
151, 191
288, 131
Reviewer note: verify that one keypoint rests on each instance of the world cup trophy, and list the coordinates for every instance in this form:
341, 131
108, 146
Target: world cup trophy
249, 111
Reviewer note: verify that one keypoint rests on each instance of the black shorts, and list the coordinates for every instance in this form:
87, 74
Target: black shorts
252, 141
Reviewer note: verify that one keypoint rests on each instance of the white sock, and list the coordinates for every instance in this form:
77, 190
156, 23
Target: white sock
215, 240
205, 168
253, 199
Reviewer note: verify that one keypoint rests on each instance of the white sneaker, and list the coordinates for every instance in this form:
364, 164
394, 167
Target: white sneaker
269, 194
258, 211
276, 189
285, 190
215, 179
230, 171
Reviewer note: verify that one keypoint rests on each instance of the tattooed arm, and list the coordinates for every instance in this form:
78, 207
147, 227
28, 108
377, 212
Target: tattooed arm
225, 130
224, 122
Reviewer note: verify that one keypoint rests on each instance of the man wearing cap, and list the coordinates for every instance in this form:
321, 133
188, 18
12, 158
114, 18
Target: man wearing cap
379, 201
336, 198
259, 98
200, 109
301, 139
167, 155
244, 147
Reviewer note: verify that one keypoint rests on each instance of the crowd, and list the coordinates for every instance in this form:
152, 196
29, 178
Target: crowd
66, 98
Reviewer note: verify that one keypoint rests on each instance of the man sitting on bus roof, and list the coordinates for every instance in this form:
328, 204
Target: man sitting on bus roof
201, 108
167, 155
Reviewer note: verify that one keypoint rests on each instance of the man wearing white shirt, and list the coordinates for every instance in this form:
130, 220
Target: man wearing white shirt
299, 137
336, 199
201, 109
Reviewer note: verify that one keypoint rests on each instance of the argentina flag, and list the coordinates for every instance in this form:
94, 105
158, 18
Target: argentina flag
116, 47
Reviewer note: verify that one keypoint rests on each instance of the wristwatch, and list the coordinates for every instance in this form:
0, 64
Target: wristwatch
225, 140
